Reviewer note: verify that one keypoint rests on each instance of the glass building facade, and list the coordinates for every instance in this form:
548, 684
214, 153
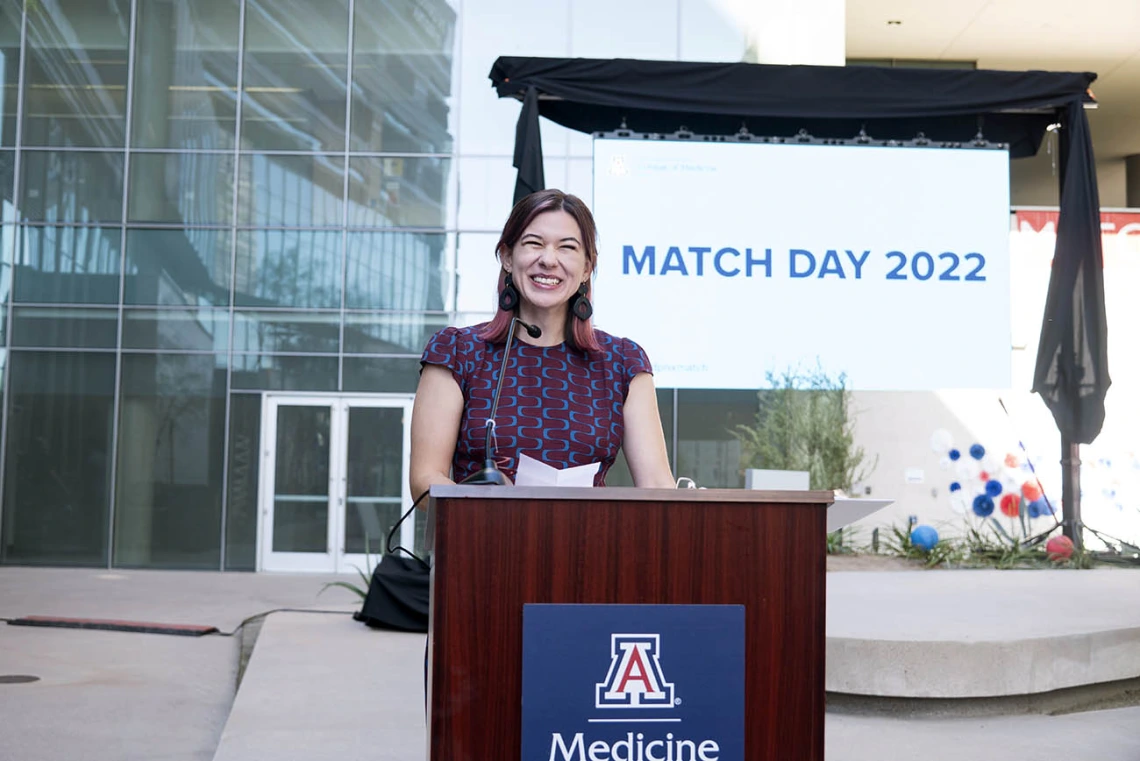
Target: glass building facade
205, 202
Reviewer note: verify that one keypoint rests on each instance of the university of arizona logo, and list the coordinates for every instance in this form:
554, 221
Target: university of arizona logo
634, 679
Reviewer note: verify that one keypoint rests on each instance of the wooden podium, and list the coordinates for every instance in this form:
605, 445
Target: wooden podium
496, 548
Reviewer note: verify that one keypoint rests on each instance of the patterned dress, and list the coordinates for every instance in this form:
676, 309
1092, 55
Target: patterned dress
558, 405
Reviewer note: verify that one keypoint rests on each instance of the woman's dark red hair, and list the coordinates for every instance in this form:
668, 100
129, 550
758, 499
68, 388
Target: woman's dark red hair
579, 333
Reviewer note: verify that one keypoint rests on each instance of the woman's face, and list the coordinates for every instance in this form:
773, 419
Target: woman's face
548, 264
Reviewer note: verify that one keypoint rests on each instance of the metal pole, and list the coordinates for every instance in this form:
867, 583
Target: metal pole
1071, 491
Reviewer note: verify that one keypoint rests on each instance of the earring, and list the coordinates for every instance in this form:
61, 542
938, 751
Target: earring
509, 296
580, 305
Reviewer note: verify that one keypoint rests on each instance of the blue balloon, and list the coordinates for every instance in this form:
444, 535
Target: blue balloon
983, 506
924, 537
955, 486
1034, 509
993, 487
954, 454
977, 451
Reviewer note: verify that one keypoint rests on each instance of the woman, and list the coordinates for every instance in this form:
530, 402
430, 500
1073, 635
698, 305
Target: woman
572, 396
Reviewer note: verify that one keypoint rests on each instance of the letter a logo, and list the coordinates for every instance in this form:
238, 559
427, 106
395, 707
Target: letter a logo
634, 679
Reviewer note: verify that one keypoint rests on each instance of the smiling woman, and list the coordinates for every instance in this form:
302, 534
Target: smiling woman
573, 395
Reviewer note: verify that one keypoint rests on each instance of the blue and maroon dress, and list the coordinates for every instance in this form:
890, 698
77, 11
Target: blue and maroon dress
558, 405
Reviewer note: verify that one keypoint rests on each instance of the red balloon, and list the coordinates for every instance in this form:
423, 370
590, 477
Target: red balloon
1010, 505
1059, 548
984, 476
1031, 491
1011, 461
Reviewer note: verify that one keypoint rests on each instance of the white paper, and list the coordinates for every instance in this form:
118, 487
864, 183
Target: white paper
534, 472
843, 511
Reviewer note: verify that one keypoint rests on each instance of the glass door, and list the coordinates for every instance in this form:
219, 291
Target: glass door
333, 481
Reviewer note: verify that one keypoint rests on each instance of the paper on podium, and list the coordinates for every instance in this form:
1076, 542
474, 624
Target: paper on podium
533, 472
844, 511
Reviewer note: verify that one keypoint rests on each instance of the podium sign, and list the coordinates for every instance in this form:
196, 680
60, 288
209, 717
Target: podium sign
633, 682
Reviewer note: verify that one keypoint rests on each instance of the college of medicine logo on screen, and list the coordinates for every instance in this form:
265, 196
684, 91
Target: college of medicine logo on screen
634, 679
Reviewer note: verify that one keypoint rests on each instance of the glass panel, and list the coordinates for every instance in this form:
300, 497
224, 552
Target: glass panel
241, 505
76, 81
375, 473
296, 62
76, 265
381, 374
177, 267
168, 506
7, 256
65, 327
401, 77
181, 188
301, 479
189, 54
397, 271
7, 180
71, 187
291, 191
181, 329
58, 468
390, 332
315, 332
283, 372
10, 14
288, 268
397, 192
706, 449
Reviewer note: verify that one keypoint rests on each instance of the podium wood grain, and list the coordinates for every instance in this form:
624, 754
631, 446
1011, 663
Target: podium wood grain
497, 548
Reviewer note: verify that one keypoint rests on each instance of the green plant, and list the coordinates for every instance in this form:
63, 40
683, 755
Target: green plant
944, 552
364, 577
803, 422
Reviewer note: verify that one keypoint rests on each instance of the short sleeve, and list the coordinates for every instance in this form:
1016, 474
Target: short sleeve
634, 361
441, 350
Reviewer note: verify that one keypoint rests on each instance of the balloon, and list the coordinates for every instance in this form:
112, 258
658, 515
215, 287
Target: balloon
924, 537
959, 503
1010, 504
993, 488
983, 506
941, 441
1031, 490
977, 451
1011, 460
1037, 508
954, 454
1059, 548
944, 463
955, 486
967, 470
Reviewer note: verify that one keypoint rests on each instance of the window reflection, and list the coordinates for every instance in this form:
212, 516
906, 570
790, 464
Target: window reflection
269, 372
168, 501
401, 76
295, 90
77, 265
381, 374
181, 188
188, 51
58, 469
76, 80
397, 192
206, 330
10, 16
243, 473
65, 327
396, 271
291, 191
390, 333
177, 267
289, 268
71, 188
707, 452
317, 332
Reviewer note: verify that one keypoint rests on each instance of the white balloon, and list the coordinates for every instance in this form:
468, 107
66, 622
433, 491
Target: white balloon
968, 469
945, 463
941, 441
959, 503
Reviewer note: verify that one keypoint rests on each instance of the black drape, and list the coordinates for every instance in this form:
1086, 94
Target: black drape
946, 105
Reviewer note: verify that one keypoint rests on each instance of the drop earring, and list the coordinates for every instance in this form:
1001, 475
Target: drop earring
580, 305
509, 296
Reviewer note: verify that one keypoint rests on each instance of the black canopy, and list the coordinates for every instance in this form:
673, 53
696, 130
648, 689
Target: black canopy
946, 105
